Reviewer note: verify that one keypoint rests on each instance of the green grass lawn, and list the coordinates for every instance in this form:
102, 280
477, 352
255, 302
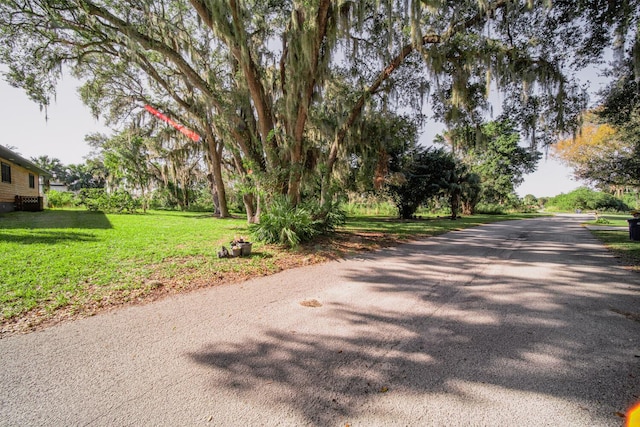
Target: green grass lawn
615, 220
78, 262
55, 258
618, 241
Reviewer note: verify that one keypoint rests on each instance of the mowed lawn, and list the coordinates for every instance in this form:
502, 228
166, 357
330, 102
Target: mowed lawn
60, 258
62, 263
618, 241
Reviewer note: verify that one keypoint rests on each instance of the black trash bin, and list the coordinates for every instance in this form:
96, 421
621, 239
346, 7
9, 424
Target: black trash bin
634, 229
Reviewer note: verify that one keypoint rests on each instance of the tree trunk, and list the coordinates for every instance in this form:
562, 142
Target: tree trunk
215, 166
185, 193
468, 208
214, 193
295, 175
144, 200
251, 203
253, 211
220, 192
454, 200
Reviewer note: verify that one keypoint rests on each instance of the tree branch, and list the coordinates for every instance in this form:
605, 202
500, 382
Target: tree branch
395, 63
152, 44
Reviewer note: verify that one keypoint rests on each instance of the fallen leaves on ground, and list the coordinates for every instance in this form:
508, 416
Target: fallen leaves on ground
311, 303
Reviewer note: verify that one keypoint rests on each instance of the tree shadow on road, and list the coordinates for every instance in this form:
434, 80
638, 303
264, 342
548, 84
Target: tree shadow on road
462, 339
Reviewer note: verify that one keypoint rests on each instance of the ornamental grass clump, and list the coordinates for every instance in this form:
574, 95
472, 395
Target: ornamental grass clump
288, 225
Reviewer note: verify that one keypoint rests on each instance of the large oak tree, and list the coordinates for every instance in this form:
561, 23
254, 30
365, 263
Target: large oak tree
251, 76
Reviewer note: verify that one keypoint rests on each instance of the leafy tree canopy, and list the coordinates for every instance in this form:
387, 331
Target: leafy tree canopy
586, 199
493, 151
258, 80
606, 152
501, 162
417, 174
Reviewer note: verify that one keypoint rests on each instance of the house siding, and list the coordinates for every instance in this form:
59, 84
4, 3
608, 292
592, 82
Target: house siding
19, 186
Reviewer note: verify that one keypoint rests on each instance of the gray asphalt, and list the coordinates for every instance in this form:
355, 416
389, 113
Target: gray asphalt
522, 323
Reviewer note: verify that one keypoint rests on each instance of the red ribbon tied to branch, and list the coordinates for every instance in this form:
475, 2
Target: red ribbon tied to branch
191, 134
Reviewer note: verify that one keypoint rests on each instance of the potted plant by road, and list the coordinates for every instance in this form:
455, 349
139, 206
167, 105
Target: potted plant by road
240, 247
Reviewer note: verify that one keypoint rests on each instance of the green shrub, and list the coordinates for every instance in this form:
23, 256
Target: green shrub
288, 225
489, 209
285, 224
602, 220
530, 200
94, 199
586, 199
528, 209
202, 200
370, 204
423, 174
162, 199
631, 199
60, 199
121, 201
97, 199
327, 218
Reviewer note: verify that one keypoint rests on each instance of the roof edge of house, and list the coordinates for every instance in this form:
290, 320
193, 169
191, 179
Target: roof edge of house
16, 158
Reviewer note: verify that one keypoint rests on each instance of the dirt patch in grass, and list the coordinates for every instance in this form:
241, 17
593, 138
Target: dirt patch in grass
343, 244
190, 273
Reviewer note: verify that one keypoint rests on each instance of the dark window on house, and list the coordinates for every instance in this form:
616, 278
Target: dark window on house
6, 172
32, 181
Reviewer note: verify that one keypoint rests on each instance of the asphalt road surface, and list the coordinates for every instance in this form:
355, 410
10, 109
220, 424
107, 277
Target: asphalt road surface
521, 323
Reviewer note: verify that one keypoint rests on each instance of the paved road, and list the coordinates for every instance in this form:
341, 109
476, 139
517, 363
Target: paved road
523, 323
